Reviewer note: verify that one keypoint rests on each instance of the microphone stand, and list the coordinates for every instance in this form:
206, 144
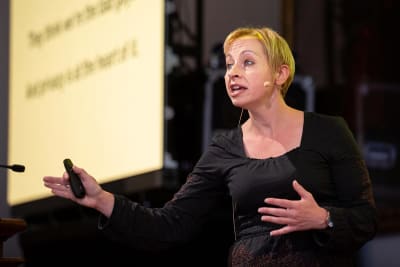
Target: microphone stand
10, 227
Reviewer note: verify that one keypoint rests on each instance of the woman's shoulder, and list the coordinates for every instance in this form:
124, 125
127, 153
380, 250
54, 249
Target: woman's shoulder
327, 128
323, 118
229, 140
330, 133
325, 122
229, 133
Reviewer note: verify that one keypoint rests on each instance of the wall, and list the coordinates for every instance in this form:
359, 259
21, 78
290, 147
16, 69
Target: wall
220, 17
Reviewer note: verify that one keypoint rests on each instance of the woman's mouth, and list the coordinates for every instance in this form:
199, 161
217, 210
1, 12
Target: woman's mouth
236, 89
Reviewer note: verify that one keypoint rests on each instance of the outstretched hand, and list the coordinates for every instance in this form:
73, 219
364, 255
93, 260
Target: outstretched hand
95, 196
295, 215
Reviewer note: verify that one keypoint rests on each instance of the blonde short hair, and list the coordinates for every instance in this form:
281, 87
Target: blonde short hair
277, 49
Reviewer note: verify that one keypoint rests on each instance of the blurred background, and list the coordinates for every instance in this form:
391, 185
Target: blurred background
347, 56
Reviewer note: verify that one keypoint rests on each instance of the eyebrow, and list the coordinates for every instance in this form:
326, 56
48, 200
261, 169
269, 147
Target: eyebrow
242, 53
248, 51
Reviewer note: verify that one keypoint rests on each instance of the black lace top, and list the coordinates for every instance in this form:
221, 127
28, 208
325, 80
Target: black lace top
327, 163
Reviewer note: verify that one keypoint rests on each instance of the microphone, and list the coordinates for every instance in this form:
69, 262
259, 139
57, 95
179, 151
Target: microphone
14, 167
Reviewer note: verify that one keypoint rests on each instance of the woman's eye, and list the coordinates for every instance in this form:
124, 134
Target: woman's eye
248, 62
229, 66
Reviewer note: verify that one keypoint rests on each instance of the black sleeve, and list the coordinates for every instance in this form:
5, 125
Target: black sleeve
353, 213
177, 221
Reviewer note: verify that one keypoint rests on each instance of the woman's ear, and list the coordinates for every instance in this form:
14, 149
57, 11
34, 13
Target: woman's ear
282, 75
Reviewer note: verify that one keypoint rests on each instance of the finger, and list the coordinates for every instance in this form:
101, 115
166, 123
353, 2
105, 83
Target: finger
52, 179
273, 211
56, 186
303, 193
65, 181
280, 202
282, 231
61, 187
277, 220
78, 170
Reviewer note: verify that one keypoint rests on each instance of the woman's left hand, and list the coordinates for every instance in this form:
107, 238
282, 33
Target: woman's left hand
296, 215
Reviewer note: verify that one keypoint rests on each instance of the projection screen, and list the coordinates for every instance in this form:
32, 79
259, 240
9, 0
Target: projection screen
86, 83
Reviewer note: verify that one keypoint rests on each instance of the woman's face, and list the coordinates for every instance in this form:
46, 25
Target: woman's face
248, 79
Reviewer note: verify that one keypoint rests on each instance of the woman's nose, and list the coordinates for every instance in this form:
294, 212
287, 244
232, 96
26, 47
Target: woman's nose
233, 72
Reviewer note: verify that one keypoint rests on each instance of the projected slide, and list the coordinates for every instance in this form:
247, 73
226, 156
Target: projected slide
86, 83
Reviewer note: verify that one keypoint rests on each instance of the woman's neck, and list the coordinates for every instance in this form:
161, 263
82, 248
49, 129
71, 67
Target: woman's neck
269, 121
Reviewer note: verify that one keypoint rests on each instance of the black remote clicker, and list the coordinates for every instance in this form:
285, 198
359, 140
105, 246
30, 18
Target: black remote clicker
74, 180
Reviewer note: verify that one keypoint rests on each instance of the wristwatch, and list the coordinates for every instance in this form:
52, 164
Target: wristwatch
328, 220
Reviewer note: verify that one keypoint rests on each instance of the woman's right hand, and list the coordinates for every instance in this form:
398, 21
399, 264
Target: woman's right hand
95, 197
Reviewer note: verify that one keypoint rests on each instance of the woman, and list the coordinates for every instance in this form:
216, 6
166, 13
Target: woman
301, 194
